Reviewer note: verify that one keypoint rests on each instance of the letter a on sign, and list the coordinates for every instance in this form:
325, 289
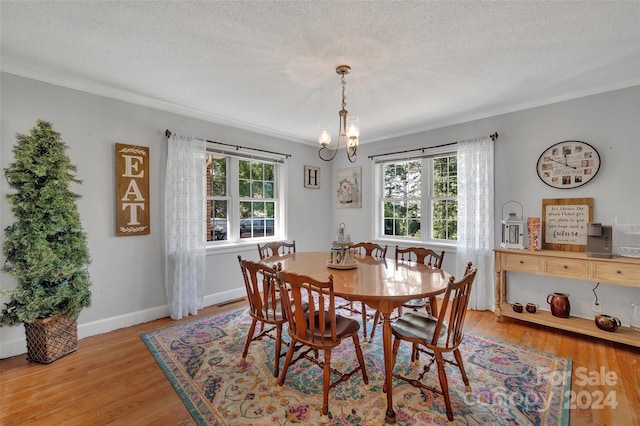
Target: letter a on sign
132, 190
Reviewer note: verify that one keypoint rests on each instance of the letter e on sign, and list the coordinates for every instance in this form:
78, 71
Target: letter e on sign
132, 190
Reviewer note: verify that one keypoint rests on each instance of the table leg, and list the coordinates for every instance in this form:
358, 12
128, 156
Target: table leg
388, 366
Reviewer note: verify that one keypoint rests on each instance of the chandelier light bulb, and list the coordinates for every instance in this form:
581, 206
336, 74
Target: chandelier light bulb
324, 137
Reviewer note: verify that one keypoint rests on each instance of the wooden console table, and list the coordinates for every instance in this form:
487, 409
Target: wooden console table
624, 271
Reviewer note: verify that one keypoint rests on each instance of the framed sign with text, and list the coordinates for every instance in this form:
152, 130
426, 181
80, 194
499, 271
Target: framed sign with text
132, 190
564, 223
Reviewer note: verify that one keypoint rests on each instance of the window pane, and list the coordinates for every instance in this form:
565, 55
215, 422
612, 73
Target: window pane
245, 209
413, 228
256, 189
257, 171
217, 220
268, 189
402, 180
260, 221
217, 175
244, 171
268, 172
244, 188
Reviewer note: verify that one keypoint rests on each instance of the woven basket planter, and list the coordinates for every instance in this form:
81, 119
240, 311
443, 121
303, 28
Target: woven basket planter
51, 338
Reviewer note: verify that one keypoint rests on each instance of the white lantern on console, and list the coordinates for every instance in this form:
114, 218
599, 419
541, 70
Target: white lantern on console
512, 229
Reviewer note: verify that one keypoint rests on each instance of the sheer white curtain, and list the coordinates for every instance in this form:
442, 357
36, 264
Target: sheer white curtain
184, 225
475, 217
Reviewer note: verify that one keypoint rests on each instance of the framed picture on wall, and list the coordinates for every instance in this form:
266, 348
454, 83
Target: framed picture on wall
349, 192
311, 177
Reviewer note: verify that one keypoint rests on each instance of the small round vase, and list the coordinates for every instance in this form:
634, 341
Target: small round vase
607, 323
559, 303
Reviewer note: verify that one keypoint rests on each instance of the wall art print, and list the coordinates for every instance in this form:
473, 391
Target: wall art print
349, 193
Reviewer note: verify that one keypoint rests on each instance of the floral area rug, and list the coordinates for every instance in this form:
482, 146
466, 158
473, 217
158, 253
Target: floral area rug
511, 385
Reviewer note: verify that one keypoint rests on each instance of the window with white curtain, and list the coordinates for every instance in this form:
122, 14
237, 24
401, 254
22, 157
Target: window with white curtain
418, 197
243, 198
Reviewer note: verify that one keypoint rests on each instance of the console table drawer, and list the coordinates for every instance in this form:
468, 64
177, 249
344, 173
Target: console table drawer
617, 273
524, 263
568, 268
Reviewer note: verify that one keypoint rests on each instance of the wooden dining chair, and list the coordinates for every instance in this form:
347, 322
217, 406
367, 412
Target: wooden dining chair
273, 248
265, 306
317, 329
428, 257
437, 336
375, 251
418, 255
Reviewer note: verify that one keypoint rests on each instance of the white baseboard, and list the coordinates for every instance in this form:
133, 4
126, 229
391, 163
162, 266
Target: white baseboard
19, 346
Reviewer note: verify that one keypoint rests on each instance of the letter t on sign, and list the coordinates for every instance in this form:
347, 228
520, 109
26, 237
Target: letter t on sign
132, 190
311, 177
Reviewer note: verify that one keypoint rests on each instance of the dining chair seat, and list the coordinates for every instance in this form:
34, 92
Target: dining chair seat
419, 326
344, 326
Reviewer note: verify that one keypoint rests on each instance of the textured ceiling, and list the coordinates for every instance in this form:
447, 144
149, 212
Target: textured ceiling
270, 66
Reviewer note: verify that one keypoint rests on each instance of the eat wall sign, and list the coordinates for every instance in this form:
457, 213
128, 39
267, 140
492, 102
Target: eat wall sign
132, 190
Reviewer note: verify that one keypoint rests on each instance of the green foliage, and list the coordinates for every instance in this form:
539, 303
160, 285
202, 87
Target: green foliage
46, 248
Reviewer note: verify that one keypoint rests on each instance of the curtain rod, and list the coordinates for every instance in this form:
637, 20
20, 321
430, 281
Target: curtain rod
238, 147
493, 137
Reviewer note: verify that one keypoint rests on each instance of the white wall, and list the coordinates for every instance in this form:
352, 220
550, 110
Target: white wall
127, 272
610, 122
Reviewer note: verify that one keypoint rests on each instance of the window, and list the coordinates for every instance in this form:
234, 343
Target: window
419, 198
243, 199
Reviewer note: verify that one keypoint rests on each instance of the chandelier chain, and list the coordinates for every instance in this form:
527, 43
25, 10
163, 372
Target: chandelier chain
343, 82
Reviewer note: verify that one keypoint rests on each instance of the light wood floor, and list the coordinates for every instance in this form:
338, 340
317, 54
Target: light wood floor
113, 379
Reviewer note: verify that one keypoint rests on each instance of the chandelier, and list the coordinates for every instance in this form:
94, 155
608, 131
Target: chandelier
349, 128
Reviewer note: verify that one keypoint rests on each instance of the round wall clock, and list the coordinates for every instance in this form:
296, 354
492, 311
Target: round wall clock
568, 164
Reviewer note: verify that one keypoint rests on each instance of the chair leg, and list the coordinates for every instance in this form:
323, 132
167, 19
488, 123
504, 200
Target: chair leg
276, 361
249, 338
376, 318
394, 356
365, 377
287, 361
444, 385
326, 381
363, 309
432, 306
458, 356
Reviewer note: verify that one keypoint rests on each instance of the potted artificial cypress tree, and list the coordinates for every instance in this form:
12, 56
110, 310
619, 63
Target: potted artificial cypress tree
46, 247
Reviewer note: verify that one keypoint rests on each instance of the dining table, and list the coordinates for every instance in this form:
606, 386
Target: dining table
382, 284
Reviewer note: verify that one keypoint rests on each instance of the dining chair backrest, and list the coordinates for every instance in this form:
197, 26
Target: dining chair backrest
420, 255
317, 325
370, 249
453, 311
273, 248
262, 290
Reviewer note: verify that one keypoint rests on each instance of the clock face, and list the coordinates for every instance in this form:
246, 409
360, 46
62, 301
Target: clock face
568, 164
